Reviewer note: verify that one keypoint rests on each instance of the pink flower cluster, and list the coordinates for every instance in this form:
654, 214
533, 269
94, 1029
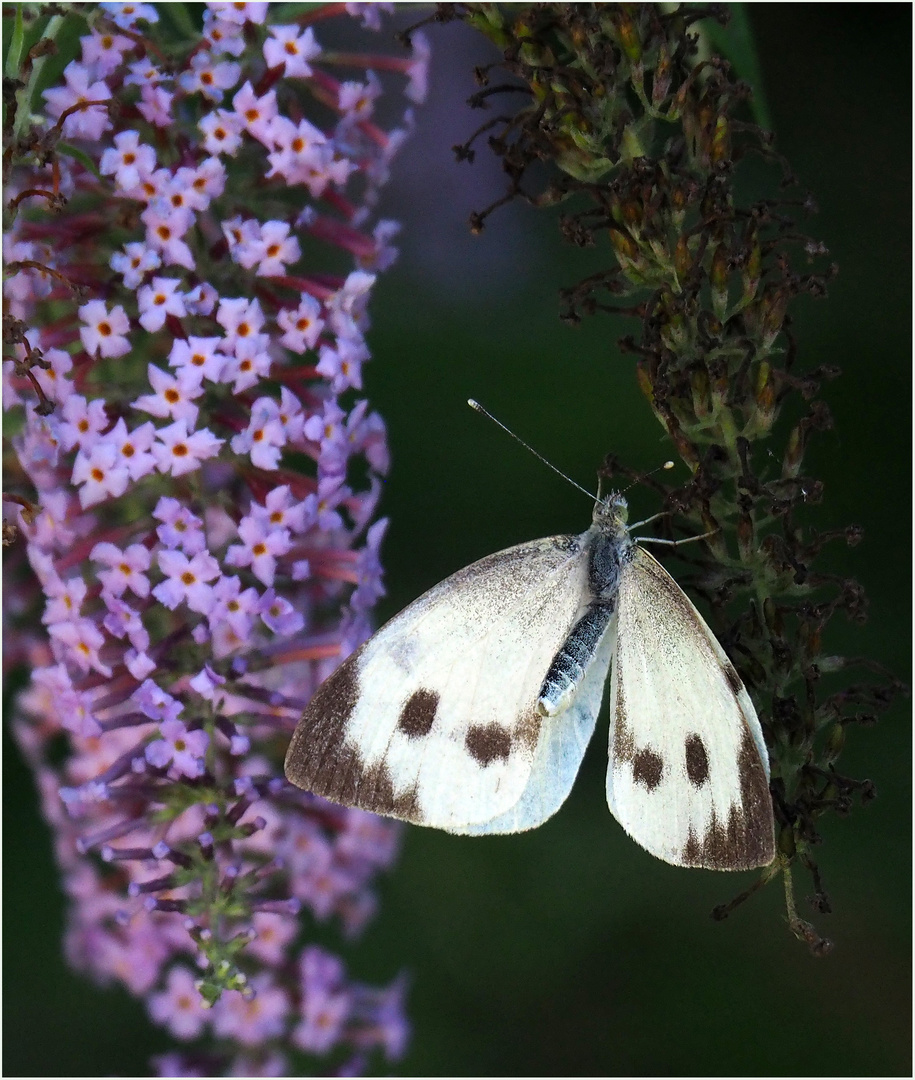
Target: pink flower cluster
196, 482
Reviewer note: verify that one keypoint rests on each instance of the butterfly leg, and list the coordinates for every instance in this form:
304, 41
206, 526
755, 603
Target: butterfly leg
571, 662
673, 543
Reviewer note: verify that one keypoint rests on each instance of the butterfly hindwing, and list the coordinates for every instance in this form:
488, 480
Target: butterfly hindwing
688, 774
563, 741
434, 719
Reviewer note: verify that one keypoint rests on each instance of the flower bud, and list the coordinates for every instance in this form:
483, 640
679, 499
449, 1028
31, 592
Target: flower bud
683, 260
632, 216
675, 331
773, 316
809, 640
746, 537
751, 271
835, 742
678, 201
794, 453
773, 616
661, 86
699, 384
719, 278
624, 246
628, 36
644, 381
629, 256
721, 141
764, 392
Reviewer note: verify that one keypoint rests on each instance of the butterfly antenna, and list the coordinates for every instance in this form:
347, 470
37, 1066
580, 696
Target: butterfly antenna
479, 408
666, 465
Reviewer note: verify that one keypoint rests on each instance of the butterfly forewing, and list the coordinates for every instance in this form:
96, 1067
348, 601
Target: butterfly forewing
688, 774
434, 719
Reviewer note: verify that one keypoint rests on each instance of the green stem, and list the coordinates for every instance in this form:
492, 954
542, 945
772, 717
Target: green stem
14, 62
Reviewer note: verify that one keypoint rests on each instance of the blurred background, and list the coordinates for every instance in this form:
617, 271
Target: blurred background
569, 950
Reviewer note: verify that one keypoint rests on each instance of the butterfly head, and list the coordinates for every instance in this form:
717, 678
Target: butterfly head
611, 513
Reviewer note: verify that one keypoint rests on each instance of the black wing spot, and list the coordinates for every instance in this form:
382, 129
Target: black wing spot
488, 744
648, 768
696, 760
418, 715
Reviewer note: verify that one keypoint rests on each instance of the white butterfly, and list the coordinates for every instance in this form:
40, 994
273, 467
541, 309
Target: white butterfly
471, 710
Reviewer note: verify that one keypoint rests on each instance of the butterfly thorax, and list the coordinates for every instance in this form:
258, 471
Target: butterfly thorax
611, 514
609, 546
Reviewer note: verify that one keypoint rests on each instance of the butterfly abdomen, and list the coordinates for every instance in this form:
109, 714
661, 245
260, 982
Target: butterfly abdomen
570, 663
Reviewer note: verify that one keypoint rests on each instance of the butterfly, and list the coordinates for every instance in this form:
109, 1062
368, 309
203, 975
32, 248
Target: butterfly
471, 710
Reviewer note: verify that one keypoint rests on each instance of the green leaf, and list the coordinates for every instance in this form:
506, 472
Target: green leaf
79, 155
16, 46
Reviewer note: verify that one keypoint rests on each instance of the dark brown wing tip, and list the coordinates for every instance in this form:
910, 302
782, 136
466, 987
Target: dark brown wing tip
747, 839
732, 846
314, 753
321, 761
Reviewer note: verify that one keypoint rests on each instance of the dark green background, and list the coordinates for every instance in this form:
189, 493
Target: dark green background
569, 951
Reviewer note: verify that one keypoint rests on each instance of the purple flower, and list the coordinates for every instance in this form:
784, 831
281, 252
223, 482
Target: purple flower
302, 325
234, 605
80, 640
133, 263
197, 561
179, 452
160, 298
65, 598
186, 581
127, 569
128, 15
82, 421
179, 528
209, 77
343, 364
207, 683
155, 703
273, 934
178, 749
321, 507
324, 1014
222, 132
155, 105
198, 358
255, 1018
248, 362
101, 473
173, 395
179, 1006
129, 160
133, 448
82, 123
265, 436
261, 545
326, 1001
279, 615
291, 49
104, 333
